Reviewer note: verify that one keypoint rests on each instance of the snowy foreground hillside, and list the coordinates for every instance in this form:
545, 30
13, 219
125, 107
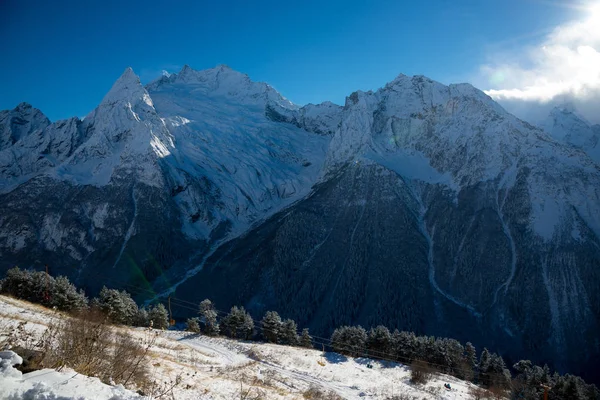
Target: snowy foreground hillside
216, 368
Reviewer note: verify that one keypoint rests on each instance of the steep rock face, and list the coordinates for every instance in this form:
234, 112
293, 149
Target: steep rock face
20, 122
41, 150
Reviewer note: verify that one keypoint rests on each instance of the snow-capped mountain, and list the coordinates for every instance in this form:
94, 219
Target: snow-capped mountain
420, 206
565, 125
20, 122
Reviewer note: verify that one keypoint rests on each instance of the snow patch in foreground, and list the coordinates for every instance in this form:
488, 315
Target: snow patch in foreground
49, 384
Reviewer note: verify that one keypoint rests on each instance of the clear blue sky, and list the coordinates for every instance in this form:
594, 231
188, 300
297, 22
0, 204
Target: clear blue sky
63, 56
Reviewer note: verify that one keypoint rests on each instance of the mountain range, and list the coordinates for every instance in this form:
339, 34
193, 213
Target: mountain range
419, 206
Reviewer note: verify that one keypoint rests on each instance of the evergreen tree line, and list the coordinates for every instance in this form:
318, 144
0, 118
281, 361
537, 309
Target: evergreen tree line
450, 357
445, 355
441, 354
41, 288
238, 324
530, 381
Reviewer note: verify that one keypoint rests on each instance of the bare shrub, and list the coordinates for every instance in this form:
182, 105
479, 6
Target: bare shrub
315, 393
496, 392
90, 346
478, 393
79, 343
253, 354
129, 359
420, 372
164, 389
251, 393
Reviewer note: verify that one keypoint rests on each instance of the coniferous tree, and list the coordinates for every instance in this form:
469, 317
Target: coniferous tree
247, 329
192, 325
545, 374
39, 287
305, 339
118, 305
271, 326
208, 314
453, 353
406, 346
158, 316
469, 362
65, 296
379, 341
141, 318
483, 367
497, 373
289, 333
350, 340
395, 344
238, 324
470, 355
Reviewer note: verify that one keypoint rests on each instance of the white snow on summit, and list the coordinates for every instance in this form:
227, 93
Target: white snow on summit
220, 131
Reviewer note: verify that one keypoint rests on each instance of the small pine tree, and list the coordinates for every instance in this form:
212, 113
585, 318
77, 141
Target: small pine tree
305, 339
289, 333
247, 330
483, 367
469, 364
379, 341
141, 318
271, 326
193, 325
39, 287
350, 340
498, 375
208, 313
118, 305
64, 295
238, 324
405, 346
159, 316
470, 355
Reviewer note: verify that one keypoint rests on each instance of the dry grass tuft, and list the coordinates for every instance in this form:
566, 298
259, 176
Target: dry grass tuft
315, 393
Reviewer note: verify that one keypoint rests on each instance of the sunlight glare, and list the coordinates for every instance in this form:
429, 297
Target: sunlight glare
594, 10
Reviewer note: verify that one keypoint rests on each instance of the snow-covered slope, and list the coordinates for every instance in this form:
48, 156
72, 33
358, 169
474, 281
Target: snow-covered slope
218, 368
220, 133
565, 125
51, 384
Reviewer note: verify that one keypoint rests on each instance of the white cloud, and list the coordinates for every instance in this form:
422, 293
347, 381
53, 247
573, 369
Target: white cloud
564, 67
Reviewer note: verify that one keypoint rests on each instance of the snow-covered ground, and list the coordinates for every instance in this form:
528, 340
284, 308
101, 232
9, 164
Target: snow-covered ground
219, 368
53, 385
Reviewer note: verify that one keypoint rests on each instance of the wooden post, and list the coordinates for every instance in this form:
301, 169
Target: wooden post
171, 320
546, 388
